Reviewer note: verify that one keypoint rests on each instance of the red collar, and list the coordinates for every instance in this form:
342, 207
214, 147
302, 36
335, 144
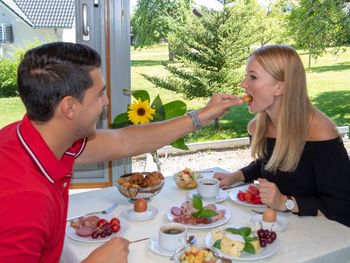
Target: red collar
50, 167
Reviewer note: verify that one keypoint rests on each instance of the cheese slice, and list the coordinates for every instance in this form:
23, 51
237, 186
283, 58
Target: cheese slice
217, 233
232, 244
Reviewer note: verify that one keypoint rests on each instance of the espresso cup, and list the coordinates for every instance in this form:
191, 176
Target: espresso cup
172, 236
208, 188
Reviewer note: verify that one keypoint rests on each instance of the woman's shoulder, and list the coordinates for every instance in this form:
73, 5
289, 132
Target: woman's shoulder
321, 128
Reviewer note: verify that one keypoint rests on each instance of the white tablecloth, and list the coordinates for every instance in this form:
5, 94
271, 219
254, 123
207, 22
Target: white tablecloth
306, 239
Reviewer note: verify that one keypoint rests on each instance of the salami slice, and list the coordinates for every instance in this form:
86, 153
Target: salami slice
84, 231
176, 211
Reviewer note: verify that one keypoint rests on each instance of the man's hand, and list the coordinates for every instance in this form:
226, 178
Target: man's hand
217, 106
115, 250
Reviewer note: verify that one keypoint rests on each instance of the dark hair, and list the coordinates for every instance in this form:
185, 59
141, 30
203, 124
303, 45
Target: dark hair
50, 72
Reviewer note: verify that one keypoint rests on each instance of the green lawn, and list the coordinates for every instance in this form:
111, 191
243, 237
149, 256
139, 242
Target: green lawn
328, 87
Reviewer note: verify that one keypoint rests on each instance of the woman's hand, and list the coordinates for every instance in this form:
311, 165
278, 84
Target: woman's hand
270, 195
227, 179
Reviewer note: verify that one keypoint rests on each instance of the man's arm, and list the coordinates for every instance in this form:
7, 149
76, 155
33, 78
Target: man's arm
136, 139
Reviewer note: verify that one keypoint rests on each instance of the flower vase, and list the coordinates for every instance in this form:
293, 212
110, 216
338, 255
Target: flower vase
153, 162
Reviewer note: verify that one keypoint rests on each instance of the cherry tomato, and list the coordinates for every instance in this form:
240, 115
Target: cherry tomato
115, 228
115, 220
101, 223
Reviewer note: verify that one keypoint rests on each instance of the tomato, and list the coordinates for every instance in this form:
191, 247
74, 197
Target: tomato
115, 228
101, 223
114, 220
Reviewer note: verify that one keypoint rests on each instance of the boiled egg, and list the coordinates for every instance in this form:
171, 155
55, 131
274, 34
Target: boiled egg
269, 215
140, 205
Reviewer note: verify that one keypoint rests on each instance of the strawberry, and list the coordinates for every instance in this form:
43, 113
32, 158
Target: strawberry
240, 196
256, 200
254, 190
248, 197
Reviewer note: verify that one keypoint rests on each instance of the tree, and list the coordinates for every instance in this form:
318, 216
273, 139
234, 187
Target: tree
154, 20
272, 21
211, 50
318, 24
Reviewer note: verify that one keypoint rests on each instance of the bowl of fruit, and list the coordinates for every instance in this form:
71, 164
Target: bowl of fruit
187, 179
143, 185
197, 254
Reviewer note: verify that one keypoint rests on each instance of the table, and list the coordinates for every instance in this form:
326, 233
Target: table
306, 239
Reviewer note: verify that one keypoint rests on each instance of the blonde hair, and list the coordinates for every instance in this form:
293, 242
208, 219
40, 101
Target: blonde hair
284, 64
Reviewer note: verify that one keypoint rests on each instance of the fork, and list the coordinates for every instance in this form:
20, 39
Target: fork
106, 211
258, 212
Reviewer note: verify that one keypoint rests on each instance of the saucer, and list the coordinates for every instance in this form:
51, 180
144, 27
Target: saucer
140, 216
222, 196
153, 245
278, 226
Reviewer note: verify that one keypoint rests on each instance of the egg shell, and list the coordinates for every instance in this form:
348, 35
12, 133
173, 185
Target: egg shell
140, 205
269, 215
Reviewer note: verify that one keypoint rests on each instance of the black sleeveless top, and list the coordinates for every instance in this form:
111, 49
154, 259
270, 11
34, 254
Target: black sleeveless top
321, 180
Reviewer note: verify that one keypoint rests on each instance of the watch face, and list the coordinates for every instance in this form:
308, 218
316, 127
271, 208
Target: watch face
289, 204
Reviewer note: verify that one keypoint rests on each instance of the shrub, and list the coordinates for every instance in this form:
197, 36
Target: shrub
8, 77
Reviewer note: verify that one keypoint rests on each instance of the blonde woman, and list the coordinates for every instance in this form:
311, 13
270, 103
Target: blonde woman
300, 160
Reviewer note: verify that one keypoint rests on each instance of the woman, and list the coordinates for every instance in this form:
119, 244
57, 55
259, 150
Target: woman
300, 160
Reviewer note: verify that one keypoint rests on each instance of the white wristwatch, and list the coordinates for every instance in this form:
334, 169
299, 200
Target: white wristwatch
289, 203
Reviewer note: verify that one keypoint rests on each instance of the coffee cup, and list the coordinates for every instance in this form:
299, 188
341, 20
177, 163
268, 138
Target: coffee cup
172, 236
208, 188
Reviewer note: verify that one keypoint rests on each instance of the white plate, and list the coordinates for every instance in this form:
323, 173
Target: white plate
153, 246
70, 231
143, 216
280, 225
233, 196
264, 252
222, 196
220, 222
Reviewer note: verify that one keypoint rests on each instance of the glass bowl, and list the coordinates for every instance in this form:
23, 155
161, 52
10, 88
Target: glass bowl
186, 179
140, 185
200, 253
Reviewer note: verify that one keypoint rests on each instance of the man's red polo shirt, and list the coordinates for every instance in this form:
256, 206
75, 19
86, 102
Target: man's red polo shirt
33, 195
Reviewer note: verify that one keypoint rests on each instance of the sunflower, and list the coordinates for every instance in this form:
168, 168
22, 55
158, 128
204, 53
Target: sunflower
140, 112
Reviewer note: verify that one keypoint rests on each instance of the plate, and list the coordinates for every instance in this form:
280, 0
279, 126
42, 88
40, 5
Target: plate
280, 225
233, 196
153, 246
220, 222
264, 252
222, 196
143, 216
70, 231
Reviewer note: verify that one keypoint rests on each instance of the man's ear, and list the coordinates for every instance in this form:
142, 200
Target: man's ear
279, 88
68, 107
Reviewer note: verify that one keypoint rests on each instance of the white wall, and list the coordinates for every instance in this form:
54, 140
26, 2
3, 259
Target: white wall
25, 34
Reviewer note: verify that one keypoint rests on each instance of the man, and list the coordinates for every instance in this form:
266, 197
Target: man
63, 90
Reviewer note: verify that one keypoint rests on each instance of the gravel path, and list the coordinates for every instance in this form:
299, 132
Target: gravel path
228, 159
